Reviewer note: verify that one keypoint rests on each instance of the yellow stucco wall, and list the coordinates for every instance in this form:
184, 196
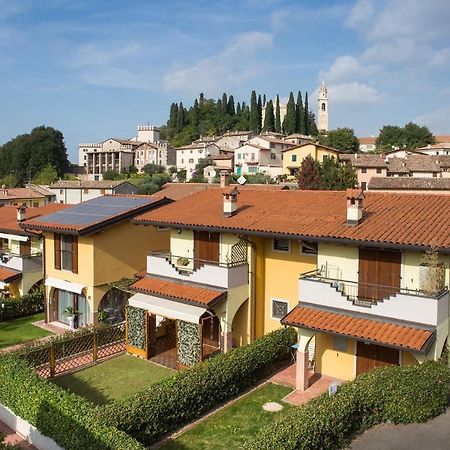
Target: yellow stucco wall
316, 151
241, 325
340, 261
40, 201
333, 363
182, 243
408, 359
281, 274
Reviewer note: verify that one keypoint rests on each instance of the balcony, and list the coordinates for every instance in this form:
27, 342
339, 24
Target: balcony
412, 305
30, 263
224, 275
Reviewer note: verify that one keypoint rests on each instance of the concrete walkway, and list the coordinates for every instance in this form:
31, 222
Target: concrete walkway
12, 438
432, 435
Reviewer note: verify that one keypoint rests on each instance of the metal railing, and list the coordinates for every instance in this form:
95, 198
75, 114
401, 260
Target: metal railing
367, 292
186, 263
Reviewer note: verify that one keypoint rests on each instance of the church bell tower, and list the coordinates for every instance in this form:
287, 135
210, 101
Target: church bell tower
322, 115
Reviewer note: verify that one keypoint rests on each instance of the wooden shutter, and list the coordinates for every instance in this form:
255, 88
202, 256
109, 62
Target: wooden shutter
57, 248
25, 248
74, 254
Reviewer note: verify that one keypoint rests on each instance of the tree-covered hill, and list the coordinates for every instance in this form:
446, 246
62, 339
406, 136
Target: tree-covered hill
25, 156
214, 117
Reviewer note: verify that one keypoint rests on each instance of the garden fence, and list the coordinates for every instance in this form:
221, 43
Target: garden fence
74, 352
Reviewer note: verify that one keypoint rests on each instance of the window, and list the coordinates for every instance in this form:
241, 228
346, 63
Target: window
272, 146
323, 107
85, 191
281, 245
364, 185
378, 169
66, 252
191, 160
35, 204
273, 156
294, 158
434, 175
61, 191
252, 169
340, 343
364, 170
102, 191
279, 308
308, 248
78, 302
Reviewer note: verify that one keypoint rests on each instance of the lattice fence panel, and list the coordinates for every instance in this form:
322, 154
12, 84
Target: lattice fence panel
73, 353
111, 340
40, 360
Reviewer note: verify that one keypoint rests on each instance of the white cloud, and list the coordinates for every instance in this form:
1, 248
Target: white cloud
353, 93
361, 14
436, 121
235, 64
347, 68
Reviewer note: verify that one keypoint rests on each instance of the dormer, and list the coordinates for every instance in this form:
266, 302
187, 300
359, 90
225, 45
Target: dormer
230, 201
355, 198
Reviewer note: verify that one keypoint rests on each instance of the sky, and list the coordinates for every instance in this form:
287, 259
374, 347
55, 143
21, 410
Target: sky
96, 69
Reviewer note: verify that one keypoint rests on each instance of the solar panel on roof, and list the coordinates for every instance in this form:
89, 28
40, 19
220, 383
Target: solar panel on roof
95, 210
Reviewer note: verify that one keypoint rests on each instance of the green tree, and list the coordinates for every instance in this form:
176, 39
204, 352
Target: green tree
153, 168
181, 120
47, 175
342, 139
110, 175
290, 118
224, 103
417, 136
390, 136
231, 110
259, 114
269, 119
306, 115
313, 131
299, 115
181, 175
195, 115
308, 177
253, 122
335, 176
277, 116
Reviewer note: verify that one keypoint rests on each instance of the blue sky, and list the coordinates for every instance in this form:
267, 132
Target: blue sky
96, 69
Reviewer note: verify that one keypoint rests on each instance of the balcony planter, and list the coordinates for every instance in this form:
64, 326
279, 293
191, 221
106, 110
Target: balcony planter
182, 261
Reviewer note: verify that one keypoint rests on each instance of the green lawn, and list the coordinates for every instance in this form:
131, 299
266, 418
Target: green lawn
113, 379
231, 427
20, 330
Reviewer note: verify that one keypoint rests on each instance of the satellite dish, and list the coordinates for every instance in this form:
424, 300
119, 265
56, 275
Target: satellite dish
213, 173
242, 180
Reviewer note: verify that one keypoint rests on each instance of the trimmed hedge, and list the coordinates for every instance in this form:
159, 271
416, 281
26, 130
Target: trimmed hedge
177, 400
68, 419
27, 305
396, 394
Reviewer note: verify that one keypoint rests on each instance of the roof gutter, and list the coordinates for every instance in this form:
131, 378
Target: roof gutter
343, 241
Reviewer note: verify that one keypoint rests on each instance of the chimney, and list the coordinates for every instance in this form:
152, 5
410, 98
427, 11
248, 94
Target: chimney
230, 201
21, 210
224, 179
355, 199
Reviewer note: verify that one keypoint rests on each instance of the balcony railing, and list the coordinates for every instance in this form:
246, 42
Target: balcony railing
367, 294
186, 263
22, 263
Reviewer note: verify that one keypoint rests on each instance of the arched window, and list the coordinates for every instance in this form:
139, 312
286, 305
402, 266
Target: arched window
113, 304
323, 106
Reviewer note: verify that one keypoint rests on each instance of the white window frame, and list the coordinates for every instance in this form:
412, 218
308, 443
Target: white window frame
281, 300
281, 251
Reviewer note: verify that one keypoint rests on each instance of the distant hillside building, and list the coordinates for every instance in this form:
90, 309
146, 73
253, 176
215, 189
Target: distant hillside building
367, 144
322, 114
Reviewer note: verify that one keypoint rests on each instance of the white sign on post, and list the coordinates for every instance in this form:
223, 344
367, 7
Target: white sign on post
332, 389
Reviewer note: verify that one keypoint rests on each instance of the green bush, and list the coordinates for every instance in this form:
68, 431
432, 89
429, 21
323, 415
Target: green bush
396, 394
69, 420
27, 305
187, 395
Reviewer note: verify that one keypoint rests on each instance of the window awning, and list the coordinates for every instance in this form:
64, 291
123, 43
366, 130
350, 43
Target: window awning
64, 285
167, 308
14, 237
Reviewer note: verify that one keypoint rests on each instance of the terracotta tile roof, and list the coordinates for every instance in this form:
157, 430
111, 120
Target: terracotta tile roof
442, 138
422, 163
410, 183
7, 275
179, 291
388, 218
442, 145
95, 214
361, 160
8, 216
14, 193
78, 184
391, 334
367, 140
397, 165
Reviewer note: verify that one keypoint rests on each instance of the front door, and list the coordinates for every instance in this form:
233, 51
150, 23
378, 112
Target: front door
371, 356
379, 273
206, 247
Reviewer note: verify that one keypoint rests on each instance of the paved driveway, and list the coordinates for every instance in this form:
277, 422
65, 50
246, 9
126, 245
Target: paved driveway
432, 435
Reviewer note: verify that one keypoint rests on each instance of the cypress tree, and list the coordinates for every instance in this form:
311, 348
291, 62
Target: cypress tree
299, 120
181, 120
253, 122
195, 114
264, 100
173, 117
290, 118
277, 116
230, 108
238, 109
259, 113
202, 99
224, 103
269, 119
306, 115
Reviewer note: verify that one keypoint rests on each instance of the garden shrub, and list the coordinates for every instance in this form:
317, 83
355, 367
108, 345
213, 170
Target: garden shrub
27, 305
396, 394
187, 395
136, 327
68, 419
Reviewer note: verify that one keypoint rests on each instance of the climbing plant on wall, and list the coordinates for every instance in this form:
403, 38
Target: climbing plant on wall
189, 343
136, 327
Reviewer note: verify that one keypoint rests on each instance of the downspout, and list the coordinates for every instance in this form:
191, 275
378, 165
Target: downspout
46, 318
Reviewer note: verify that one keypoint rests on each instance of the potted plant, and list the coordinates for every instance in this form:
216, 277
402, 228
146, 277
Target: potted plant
102, 315
71, 314
182, 261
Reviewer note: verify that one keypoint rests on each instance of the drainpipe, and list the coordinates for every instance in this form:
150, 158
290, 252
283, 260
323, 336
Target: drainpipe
46, 313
